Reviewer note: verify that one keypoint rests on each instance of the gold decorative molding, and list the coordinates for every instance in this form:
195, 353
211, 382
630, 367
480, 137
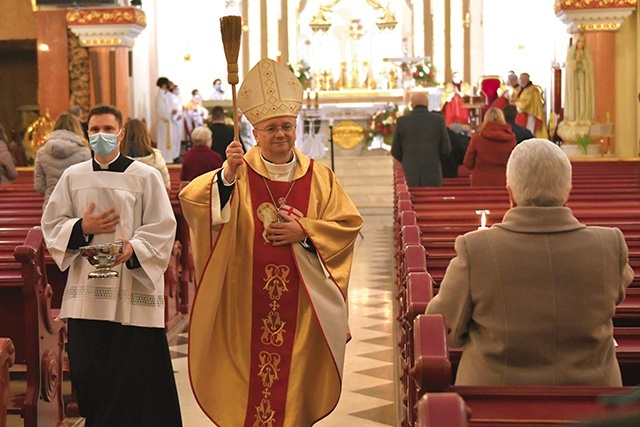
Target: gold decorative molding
347, 134
112, 26
107, 16
593, 15
606, 26
592, 4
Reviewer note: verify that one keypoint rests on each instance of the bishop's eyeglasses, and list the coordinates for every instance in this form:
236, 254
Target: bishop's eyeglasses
272, 130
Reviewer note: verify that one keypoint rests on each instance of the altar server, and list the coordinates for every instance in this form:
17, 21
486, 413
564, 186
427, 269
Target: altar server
118, 353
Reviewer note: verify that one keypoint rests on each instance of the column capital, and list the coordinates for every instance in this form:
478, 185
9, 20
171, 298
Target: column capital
593, 15
107, 26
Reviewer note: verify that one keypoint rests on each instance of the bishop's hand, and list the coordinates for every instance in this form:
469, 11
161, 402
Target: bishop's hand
235, 157
285, 233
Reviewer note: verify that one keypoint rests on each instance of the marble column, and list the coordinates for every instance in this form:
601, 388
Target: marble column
109, 35
53, 62
603, 48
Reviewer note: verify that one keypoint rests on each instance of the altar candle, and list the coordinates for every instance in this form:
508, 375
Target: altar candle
308, 98
315, 96
331, 122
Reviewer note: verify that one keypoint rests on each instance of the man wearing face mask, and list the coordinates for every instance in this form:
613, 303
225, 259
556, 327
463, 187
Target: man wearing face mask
218, 93
118, 352
194, 113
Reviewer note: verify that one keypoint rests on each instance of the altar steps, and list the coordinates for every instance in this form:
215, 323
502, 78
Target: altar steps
368, 179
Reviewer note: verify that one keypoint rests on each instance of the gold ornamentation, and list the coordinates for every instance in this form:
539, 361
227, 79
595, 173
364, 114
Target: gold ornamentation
267, 211
37, 134
276, 280
592, 4
102, 42
600, 26
107, 16
269, 368
273, 330
265, 416
347, 134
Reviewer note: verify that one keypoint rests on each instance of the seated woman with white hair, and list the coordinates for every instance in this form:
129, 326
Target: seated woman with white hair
531, 299
200, 158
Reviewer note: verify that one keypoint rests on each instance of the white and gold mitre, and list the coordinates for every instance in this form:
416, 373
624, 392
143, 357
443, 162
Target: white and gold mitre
269, 90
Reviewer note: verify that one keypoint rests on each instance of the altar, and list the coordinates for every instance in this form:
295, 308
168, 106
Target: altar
347, 115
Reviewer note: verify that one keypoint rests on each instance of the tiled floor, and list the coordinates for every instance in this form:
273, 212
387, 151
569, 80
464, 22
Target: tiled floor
369, 387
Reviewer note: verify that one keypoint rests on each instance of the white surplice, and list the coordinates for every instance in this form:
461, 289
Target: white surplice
146, 220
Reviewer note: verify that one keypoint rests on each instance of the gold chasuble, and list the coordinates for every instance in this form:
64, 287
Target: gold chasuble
269, 324
530, 103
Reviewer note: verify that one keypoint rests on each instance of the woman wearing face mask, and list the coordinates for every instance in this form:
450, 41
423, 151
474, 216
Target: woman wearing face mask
64, 147
137, 145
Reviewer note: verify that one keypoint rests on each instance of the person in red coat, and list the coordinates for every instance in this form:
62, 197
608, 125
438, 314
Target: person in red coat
489, 150
200, 158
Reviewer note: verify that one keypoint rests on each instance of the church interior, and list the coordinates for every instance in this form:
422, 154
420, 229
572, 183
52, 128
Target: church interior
359, 63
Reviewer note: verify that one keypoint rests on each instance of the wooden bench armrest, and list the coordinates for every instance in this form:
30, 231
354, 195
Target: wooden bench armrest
7, 352
432, 367
32, 257
408, 218
413, 259
7, 357
442, 410
419, 293
410, 235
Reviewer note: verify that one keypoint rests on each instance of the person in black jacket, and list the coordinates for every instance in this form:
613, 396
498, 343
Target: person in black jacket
222, 132
459, 143
420, 139
521, 133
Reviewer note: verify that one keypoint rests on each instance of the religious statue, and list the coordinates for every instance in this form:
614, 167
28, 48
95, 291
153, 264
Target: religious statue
393, 83
407, 83
579, 90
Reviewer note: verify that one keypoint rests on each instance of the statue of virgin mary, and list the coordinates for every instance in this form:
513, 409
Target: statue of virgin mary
579, 89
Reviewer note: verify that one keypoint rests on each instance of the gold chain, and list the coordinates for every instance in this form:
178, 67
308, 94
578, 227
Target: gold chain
284, 199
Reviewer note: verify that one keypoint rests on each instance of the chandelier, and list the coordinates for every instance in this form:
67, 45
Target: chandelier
387, 21
320, 23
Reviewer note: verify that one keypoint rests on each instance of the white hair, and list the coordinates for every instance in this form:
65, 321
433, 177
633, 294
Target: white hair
539, 174
200, 135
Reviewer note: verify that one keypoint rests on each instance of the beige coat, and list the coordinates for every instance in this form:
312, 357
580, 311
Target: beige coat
531, 300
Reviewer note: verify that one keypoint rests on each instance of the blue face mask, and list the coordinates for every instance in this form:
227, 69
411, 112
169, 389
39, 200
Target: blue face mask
103, 144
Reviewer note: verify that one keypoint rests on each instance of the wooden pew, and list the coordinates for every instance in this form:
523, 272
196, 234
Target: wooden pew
39, 337
501, 406
24, 210
7, 358
433, 210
